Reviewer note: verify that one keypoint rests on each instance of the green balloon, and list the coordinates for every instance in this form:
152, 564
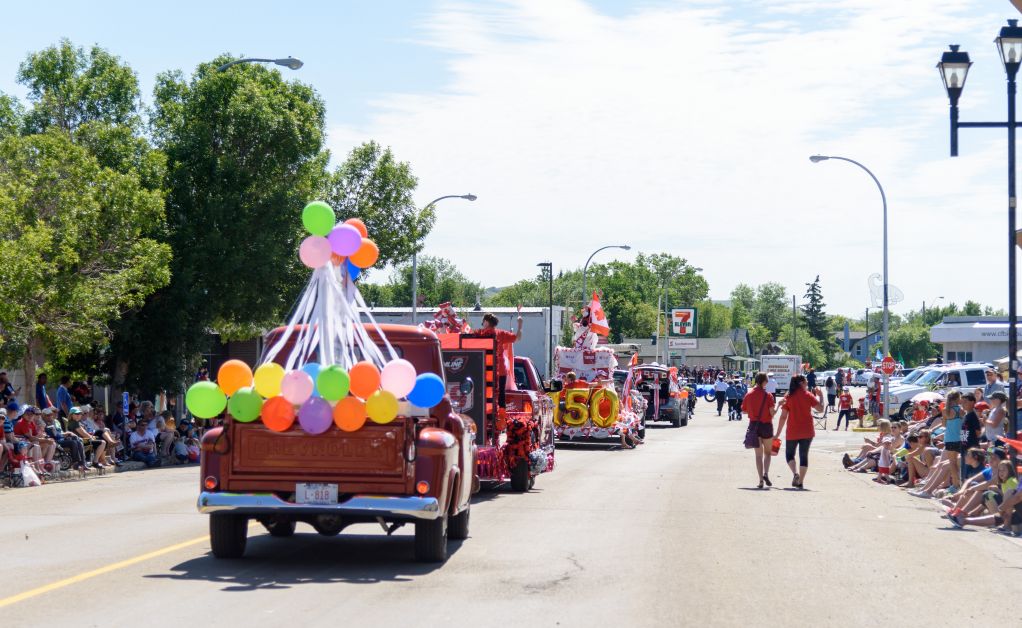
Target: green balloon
245, 405
318, 218
205, 400
333, 383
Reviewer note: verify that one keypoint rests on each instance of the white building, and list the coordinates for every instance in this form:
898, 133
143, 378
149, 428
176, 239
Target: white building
972, 338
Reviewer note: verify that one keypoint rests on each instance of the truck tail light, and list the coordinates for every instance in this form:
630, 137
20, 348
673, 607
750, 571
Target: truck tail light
422, 487
210, 483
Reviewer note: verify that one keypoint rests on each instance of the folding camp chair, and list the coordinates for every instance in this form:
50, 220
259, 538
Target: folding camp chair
820, 419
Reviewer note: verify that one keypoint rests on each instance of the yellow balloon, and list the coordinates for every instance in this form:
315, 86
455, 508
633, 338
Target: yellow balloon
267, 379
381, 406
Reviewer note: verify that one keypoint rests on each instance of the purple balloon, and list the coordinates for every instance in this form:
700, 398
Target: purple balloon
345, 240
315, 416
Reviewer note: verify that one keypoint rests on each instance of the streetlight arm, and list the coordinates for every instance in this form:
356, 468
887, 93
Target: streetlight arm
290, 62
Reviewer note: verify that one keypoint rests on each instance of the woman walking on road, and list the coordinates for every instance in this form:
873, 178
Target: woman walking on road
720, 392
797, 412
759, 406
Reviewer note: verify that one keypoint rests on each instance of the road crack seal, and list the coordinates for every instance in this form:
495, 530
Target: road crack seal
553, 583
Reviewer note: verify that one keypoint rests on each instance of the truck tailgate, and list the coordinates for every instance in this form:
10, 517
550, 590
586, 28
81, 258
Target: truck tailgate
375, 453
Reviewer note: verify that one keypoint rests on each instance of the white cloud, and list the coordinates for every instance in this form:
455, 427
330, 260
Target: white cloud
688, 129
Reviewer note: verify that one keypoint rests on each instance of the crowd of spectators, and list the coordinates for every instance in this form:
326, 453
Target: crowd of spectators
953, 451
77, 433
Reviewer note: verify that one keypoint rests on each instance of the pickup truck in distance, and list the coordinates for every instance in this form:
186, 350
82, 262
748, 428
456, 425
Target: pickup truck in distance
418, 469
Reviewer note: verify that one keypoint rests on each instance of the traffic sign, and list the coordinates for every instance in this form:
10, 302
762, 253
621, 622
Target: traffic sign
888, 366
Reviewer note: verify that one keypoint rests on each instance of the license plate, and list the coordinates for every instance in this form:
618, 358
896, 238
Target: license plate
317, 494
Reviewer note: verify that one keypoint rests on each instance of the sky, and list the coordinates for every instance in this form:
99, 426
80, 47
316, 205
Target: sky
682, 127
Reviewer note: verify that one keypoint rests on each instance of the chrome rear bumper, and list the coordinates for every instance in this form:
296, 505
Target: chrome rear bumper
407, 508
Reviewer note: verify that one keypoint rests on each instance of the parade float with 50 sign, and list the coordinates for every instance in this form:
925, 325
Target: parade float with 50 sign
591, 408
342, 421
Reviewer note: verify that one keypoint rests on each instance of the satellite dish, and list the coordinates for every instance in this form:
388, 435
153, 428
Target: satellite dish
876, 289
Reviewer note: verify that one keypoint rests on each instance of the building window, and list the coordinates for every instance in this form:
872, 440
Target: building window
858, 349
959, 356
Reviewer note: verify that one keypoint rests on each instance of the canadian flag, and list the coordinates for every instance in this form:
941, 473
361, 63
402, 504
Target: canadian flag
597, 319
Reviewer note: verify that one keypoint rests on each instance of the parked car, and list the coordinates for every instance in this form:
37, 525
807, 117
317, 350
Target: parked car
942, 378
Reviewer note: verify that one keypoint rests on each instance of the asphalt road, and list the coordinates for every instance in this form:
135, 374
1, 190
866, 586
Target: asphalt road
673, 533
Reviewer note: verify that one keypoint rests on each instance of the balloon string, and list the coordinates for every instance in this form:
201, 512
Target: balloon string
297, 315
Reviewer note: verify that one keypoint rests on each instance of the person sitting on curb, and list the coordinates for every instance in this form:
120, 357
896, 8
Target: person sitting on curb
143, 445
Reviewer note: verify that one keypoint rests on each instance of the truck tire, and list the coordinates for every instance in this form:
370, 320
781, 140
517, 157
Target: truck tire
228, 535
676, 418
903, 412
457, 529
431, 540
642, 430
280, 528
520, 477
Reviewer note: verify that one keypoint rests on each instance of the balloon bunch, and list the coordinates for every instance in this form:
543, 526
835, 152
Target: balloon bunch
347, 243
332, 371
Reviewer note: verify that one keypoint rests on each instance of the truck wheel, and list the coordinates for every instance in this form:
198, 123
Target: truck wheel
520, 477
228, 535
457, 529
431, 540
280, 528
903, 413
642, 430
676, 418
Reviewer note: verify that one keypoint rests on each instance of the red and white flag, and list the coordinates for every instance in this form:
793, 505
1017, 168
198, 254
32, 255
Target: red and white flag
597, 319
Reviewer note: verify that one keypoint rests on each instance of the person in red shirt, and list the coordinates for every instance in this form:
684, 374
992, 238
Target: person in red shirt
845, 409
29, 431
797, 412
759, 406
505, 352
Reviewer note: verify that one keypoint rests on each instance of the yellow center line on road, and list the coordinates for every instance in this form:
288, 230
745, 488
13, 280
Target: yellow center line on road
59, 584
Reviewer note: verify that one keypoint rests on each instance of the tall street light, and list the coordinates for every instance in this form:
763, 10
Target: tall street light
932, 301
549, 267
585, 268
290, 62
954, 68
415, 257
883, 197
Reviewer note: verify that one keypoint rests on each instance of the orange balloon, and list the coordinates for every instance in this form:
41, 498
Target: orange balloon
365, 379
233, 375
350, 414
358, 224
336, 259
278, 414
366, 255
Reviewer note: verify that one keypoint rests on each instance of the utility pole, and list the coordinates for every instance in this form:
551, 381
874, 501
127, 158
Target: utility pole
794, 327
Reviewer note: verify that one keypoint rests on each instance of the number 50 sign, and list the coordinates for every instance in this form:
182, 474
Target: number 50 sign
683, 321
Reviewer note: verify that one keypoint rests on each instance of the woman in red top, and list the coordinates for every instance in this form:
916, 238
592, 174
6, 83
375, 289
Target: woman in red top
797, 411
759, 406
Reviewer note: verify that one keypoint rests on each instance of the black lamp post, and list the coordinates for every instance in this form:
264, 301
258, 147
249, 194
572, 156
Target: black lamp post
549, 267
954, 68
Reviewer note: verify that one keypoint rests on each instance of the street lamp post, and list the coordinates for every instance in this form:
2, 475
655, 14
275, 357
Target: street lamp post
954, 68
549, 267
585, 291
415, 256
932, 301
289, 62
883, 197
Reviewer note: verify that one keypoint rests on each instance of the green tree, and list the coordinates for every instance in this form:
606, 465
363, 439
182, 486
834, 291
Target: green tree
244, 152
714, 319
440, 281
373, 186
10, 116
806, 346
771, 308
813, 313
912, 343
72, 243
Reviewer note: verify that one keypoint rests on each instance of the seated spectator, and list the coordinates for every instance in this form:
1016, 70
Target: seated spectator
920, 458
66, 440
27, 429
143, 445
113, 443
164, 437
7, 438
8, 392
86, 430
1004, 493
969, 500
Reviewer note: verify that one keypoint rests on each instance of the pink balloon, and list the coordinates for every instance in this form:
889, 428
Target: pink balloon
316, 416
398, 378
314, 251
296, 387
345, 240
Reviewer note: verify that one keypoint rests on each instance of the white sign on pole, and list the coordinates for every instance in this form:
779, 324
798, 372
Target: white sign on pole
683, 321
682, 343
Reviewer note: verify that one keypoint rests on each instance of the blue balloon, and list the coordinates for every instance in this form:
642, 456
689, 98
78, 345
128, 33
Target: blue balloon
428, 391
312, 368
353, 270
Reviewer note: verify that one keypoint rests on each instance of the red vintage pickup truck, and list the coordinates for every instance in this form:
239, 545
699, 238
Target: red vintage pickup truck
418, 469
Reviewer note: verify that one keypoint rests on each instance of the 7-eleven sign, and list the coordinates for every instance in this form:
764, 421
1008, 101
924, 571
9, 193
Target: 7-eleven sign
683, 321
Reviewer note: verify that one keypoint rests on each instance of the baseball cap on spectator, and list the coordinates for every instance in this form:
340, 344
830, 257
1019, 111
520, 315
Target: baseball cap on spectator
49, 410
74, 410
982, 405
13, 407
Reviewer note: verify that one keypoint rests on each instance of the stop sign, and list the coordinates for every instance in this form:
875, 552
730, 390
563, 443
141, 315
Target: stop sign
888, 365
